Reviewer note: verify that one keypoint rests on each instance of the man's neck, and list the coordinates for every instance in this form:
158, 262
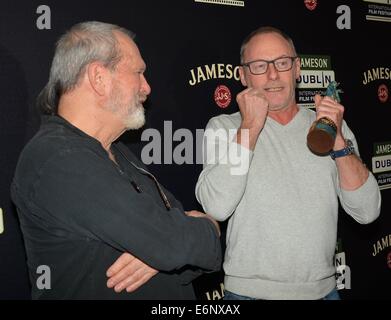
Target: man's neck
103, 127
284, 116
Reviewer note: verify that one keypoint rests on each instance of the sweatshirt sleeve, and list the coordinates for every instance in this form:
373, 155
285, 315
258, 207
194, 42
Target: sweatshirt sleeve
362, 204
80, 192
223, 179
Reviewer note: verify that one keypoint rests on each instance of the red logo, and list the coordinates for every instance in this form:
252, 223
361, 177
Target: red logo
311, 4
382, 93
389, 260
222, 96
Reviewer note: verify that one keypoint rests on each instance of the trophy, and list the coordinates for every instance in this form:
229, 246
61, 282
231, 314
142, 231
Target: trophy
321, 136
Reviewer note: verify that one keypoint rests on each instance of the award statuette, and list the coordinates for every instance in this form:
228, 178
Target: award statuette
321, 136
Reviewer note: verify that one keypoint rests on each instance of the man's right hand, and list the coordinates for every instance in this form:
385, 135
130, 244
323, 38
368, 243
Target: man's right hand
254, 109
199, 214
129, 273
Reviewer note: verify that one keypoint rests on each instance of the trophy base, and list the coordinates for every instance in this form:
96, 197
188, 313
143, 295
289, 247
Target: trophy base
320, 142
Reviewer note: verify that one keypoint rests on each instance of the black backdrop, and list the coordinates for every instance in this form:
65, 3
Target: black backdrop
179, 38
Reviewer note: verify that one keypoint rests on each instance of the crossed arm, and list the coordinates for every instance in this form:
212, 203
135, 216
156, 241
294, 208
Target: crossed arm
130, 273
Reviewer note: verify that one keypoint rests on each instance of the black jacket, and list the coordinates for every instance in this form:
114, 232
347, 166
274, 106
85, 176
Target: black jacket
79, 212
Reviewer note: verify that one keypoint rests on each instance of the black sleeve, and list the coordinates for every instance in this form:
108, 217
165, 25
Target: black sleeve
90, 198
130, 155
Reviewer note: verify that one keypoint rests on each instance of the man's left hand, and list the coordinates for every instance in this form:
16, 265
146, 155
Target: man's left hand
328, 107
129, 273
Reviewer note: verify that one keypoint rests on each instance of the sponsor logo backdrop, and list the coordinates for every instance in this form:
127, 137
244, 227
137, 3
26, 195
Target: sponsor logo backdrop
191, 49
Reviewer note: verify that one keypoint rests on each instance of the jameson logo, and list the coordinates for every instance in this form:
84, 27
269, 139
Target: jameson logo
381, 244
382, 160
308, 62
381, 164
379, 73
213, 71
316, 74
382, 148
217, 294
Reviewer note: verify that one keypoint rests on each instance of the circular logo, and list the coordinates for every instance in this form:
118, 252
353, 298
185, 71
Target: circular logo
311, 4
389, 260
222, 96
382, 93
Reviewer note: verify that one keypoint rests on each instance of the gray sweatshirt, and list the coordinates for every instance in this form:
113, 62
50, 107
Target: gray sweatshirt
282, 210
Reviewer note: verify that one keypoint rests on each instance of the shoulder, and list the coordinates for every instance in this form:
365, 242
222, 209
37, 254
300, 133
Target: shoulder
46, 151
225, 121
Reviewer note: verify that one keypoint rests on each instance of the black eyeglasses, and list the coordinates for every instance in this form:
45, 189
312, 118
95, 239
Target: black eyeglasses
258, 67
166, 202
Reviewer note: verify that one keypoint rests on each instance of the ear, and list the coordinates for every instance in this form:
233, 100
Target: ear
297, 67
98, 78
242, 76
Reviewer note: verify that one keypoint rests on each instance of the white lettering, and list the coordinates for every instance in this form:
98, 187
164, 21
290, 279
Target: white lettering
213, 71
43, 281
344, 20
381, 164
44, 20
344, 280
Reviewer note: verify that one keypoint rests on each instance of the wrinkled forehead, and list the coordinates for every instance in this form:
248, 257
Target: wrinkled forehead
267, 46
129, 50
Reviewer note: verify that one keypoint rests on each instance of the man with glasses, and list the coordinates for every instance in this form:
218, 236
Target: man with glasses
85, 201
283, 209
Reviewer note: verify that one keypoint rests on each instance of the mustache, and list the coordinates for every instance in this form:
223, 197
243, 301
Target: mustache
141, 98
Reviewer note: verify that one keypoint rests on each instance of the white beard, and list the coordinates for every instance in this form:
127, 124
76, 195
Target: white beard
132, 115
135, 119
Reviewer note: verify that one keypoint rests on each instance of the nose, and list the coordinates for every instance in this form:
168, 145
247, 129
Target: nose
272, 72
145, 87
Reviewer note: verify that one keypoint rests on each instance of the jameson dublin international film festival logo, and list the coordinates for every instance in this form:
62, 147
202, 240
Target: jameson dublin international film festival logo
381, 245
316, 74
381, 164
382, 248
222, 96
228, 73
379, 75
378, 10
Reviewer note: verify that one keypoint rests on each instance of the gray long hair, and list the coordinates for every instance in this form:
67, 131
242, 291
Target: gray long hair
83, 44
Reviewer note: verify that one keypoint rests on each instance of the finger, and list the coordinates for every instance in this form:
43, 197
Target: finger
120, 263
317, 100
240, 94
127, 272
332, 115
195, 214
140, 282
329, 99
191, 212
135, 277
324, 108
